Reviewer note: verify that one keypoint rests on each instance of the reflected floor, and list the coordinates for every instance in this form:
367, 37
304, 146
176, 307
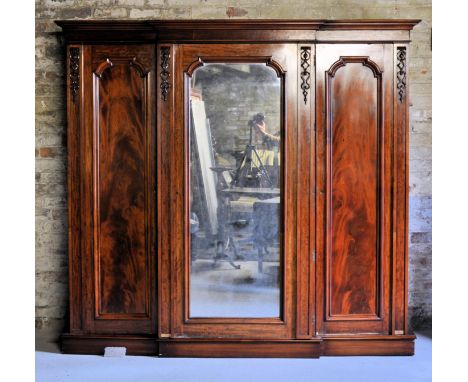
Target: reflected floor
222, 291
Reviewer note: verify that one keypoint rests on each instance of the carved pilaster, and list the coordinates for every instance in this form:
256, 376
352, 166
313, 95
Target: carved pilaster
401, 73
74, 56
165, 60
305, 71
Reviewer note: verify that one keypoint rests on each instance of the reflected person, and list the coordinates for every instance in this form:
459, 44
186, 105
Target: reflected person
267, 145
263, 138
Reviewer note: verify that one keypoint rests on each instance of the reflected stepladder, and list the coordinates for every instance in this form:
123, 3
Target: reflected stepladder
235, 205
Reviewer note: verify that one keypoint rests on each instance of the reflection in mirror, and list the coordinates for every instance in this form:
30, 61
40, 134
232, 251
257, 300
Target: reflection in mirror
235, 183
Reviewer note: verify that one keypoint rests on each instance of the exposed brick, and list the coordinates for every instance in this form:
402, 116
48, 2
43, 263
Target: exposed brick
50, 152
233, 12
144, 13
112, 12
158, 3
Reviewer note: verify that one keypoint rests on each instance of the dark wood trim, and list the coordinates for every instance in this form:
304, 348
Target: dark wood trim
100, 31
273, 24
95, 344
400, 198
368, 345
216, 348
370, 24
201, 61
219, 30
74, 128
241, 348
165, 117
305, 301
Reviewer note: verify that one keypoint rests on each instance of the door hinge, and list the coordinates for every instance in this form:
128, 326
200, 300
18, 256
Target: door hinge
313, 255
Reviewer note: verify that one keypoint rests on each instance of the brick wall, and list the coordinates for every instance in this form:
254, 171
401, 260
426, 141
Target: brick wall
233, 97
51, 214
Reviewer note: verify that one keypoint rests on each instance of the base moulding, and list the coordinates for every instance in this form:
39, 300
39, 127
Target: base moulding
374, 345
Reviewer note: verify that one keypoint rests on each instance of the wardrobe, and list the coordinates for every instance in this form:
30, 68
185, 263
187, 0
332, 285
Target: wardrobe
238, 188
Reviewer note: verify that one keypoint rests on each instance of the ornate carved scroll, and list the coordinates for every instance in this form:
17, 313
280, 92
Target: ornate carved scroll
165, 59
305, 71
74, 55
401, 73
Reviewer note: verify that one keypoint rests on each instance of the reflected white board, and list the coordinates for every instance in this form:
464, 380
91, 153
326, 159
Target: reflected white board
205, 154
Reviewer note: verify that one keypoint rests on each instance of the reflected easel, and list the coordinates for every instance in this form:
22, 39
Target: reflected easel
249, 179
249, 174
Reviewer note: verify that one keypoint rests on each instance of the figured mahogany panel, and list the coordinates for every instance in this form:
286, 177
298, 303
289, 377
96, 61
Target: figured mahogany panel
354, 182
353, 245
121, 176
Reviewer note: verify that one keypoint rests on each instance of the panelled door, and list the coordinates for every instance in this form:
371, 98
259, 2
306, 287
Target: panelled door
353, 176
229, 264
118, 189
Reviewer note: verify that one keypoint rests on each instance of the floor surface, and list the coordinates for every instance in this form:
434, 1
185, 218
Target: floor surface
53, 367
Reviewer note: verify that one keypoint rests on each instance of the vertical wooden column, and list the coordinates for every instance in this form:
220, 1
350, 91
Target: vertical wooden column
305, 322
400, 187
74, 143
165, 105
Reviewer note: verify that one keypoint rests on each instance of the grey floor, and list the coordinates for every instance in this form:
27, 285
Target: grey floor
54, 367
223, 291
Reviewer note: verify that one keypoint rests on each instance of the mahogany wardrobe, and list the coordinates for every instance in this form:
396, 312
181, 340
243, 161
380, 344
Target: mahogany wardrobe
238, 188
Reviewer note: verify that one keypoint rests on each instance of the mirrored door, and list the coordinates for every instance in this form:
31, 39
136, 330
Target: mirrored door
235, 187
233, 233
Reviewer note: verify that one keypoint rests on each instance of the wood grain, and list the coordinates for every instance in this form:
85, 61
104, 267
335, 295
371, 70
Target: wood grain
240, 348
293, 31
354, 182
188, 56
117, 193
345, 188
96, 343
368, 346
121, 202
401, 210
74, 146
353, 191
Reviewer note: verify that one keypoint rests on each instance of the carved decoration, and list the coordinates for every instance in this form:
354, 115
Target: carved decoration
305, 71
198, 63
280, 71
401, 72
74, 55
201, 61
366, 61
165, 59
138, 66
131, 61
103, 66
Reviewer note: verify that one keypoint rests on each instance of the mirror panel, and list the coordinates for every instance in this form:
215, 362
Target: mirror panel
235, 204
